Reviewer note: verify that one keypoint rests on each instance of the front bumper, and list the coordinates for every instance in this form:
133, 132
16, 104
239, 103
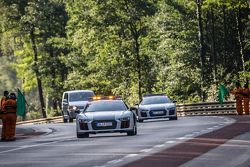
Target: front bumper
117, 126
154, 114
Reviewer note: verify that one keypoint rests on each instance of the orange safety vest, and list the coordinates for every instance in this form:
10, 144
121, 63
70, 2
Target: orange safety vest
238, 92
3, 99
10, 106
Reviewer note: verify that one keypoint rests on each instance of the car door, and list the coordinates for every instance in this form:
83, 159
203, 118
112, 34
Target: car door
65, 103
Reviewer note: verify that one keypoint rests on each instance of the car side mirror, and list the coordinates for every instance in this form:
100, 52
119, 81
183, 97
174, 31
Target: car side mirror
65, 102
174, 101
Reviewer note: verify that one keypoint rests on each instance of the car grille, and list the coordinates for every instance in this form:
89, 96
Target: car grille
83, 126
171, 112
125, 124
80, 107
95, 127
153, 113
143, 114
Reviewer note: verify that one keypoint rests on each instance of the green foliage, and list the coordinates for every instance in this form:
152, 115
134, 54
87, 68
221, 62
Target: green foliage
127, 47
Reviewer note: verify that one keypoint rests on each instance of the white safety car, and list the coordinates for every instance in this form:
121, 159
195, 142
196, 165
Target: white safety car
105, 114
156, 106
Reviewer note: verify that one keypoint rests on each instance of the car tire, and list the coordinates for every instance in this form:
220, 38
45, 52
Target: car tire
82, 135
173, 118
133, 132
70, 119
140, 120
65, 120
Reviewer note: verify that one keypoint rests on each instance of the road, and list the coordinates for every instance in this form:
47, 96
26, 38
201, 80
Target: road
58, 146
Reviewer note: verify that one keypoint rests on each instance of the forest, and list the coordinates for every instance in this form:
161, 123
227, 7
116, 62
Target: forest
183, 48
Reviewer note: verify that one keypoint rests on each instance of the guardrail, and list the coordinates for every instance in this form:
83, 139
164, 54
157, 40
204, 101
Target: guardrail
207, 108
57, 119
193, 109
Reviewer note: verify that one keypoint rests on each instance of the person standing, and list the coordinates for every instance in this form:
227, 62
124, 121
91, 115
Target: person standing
10, 106
2, 113
238, 93
246, 95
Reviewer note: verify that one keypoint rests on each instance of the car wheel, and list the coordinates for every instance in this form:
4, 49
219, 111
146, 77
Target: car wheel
70, 119
82, 135
65, 120
140, 120
133, 132
173, 118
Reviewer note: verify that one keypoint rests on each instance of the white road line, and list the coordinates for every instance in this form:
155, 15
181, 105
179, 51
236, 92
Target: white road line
189, 135
182, 138
130, 155
159, 146
146, 150
115, 161
196, 132
30, 146
210, 128
170, 142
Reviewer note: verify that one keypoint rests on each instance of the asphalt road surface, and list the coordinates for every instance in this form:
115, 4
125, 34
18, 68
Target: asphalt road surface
158, 142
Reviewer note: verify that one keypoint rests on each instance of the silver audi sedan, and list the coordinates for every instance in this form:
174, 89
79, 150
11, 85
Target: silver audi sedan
108, 115
156, 106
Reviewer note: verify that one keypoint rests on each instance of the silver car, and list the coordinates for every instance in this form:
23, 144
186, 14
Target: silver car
156, 106
74, 101
103, 116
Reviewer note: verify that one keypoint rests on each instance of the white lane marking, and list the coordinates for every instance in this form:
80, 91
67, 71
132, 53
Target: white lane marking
210, 128
182, 138
115, 161
35, 145
170, 142
130, 155
189, 135
146, 150
196, 132
159, 146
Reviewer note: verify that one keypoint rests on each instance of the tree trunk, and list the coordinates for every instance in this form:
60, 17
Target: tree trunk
240, 37
138, 59
201, 47
39, 82
213, 48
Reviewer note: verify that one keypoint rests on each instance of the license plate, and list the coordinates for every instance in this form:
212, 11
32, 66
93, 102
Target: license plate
102, 124
158, 112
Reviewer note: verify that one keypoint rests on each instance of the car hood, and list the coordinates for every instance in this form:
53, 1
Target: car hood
157, 106
104, 115
78, 103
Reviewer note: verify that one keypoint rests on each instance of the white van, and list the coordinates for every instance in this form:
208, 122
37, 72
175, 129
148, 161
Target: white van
73, 102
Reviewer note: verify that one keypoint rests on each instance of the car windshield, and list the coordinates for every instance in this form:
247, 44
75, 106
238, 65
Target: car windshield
106, 105
80, 96
155, 100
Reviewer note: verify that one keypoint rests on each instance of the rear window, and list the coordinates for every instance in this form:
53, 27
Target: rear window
155, 100
80, 96
106, 105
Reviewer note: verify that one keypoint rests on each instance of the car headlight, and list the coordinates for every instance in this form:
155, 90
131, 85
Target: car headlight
84, 120
73, 108
125, 119
143, 110
171, 109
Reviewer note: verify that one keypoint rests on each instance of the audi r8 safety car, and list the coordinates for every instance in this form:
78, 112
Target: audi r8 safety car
105, 114
156, 106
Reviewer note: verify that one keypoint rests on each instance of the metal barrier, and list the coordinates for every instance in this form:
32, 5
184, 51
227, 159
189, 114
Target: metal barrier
57, 119
207, 108
193, 109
